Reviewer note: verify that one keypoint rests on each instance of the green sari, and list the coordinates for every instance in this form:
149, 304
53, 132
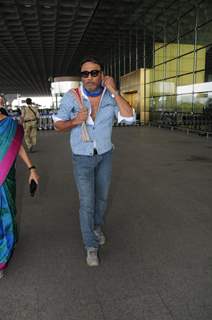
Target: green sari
11, 135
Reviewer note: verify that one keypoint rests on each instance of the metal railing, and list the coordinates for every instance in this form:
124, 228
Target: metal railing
200, 123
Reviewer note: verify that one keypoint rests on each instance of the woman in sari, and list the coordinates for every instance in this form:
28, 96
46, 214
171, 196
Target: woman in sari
11, 136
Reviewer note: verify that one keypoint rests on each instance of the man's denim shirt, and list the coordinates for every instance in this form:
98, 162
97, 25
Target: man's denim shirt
100, 130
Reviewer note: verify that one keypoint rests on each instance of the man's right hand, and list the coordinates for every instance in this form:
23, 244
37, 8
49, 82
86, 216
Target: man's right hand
66, 125
82, 116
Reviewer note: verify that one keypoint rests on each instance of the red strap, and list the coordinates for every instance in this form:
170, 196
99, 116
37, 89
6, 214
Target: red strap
78, 96
84, 133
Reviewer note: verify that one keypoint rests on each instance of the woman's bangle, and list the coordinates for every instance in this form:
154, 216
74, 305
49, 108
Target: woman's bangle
32, 167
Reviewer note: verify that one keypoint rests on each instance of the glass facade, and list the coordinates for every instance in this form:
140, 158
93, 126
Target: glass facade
174, 42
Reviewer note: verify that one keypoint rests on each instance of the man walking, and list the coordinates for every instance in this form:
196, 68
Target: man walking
89, 112
29, 116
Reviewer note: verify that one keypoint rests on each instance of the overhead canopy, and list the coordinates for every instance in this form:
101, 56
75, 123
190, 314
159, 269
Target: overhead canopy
43, 39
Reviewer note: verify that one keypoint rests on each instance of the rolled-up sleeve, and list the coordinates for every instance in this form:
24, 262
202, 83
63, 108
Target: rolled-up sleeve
120, 118
128, 120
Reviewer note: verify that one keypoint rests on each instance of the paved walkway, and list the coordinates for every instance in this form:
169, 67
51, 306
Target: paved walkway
157, 263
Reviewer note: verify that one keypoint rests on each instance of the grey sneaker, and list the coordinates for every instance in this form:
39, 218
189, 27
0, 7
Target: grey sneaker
100, 236
1, 273
92, 257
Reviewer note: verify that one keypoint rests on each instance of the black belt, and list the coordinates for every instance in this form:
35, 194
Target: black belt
95, 151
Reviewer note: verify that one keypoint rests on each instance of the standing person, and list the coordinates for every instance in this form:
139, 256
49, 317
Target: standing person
30, 116
89, 112
11, 135
2, 108
1, 102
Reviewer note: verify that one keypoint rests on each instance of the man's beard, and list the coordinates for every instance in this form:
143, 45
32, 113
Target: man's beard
90, 86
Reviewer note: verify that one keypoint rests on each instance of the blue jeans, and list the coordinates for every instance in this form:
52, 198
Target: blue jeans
92, 176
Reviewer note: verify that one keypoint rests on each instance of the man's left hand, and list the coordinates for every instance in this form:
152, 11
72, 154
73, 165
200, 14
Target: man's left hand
109, 83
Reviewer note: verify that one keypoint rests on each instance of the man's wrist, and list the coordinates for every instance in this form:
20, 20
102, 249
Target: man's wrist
114, 93
75, 122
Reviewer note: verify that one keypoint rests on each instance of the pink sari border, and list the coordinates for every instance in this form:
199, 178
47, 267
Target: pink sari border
3, 266
7, 161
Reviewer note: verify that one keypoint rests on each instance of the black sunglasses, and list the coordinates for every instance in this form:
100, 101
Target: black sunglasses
93, 73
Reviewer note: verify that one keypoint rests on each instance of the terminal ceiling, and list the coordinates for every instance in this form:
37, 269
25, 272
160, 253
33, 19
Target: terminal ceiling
42, 39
